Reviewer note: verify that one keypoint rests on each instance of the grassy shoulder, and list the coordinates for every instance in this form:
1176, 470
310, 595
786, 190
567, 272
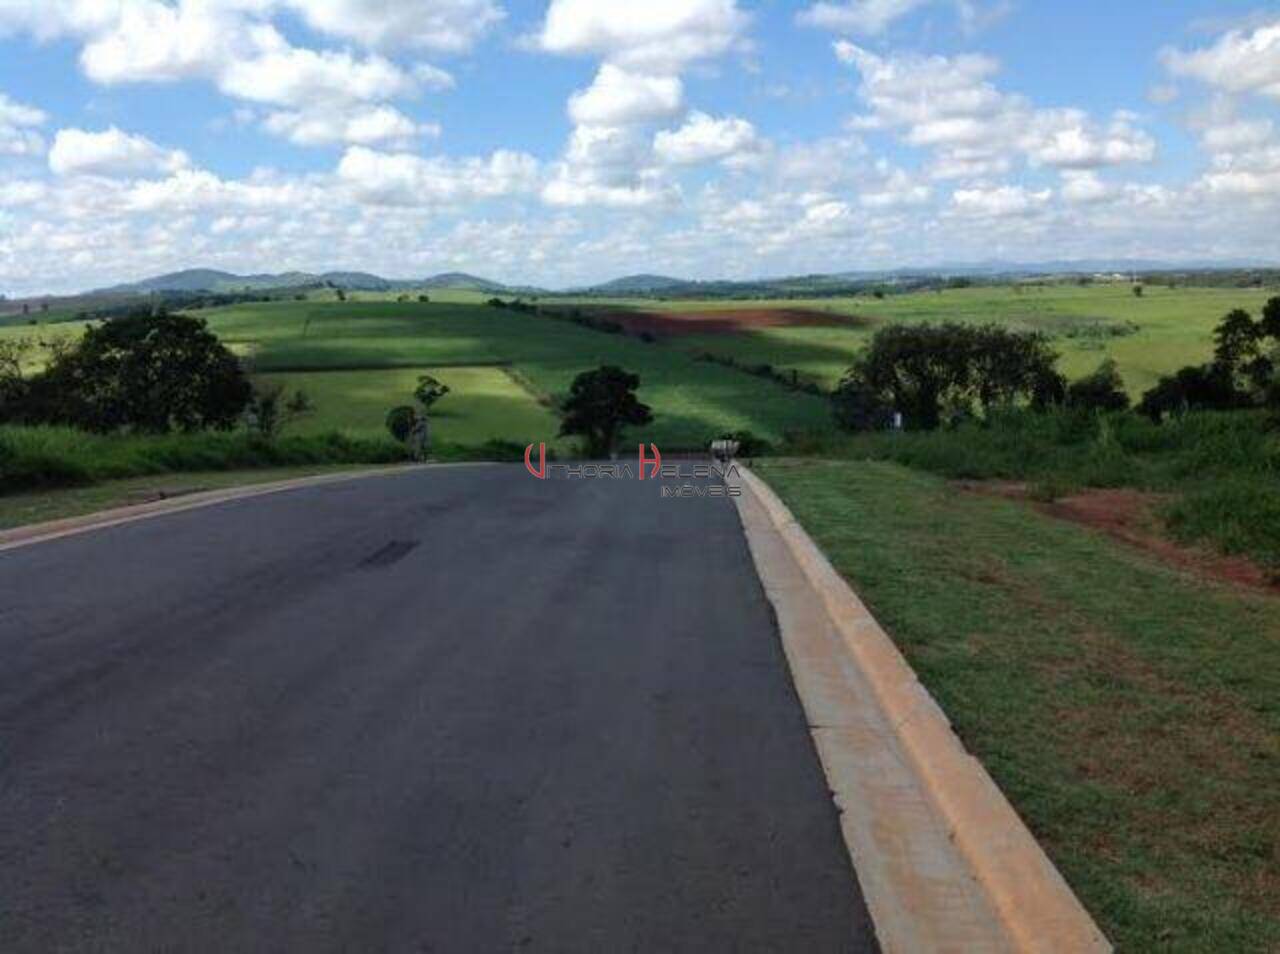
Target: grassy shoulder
31, 507
1222, 470
1129, 712
46, 457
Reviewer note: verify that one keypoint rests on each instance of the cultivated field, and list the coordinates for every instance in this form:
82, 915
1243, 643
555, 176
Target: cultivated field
487, 350
1165, 329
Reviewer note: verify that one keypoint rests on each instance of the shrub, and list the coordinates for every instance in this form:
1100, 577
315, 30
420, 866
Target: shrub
400, 422
1103, 390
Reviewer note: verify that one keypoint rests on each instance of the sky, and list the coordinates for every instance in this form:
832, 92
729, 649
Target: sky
567, 142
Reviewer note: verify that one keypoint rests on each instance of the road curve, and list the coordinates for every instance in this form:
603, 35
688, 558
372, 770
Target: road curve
454, 710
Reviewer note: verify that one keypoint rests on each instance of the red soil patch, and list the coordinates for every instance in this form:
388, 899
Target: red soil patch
1129, 516
667, 323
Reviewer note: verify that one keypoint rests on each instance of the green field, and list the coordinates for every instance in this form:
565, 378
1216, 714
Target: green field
692, 401
1130, 712
1165, 329
484, 404
1149, 336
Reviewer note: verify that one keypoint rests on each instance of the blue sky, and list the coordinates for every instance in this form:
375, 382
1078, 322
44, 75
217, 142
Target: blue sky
569, 141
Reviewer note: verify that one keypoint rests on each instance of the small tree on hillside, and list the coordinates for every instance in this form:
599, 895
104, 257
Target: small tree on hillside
270, 412
600, 405
429, 391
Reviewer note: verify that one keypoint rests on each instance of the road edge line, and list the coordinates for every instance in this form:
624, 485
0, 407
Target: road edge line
32, 534
1036, 908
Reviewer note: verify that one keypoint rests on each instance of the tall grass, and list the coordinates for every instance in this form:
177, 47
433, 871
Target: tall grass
37, 457
1222, 468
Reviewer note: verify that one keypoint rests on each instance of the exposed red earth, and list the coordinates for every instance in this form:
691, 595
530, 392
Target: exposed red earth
670, 323
1130, 516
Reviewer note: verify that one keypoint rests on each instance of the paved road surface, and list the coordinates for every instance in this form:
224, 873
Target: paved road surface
460, 710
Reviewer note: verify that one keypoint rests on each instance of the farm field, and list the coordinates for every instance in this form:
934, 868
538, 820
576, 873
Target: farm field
1165, 329
484, 403
1128, 709
692, 401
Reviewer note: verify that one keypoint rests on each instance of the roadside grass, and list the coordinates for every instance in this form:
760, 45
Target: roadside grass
1130, 713
29, 507
1223, 468
484, 404
43, 457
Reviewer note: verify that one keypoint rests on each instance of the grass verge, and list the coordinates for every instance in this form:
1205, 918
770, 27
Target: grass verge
42, 457
1223, 469
1131, 714
30, 507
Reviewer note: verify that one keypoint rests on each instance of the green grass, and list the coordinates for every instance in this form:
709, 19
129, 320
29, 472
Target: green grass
1174, 327
23, 509
39, 457
1223, 468
484, 404
692, 401
1130, 713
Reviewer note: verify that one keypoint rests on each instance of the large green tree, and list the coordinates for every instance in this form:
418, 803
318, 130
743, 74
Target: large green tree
145, 372
600, 405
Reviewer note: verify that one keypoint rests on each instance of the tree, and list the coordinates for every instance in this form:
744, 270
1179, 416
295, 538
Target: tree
1103, 390
401, 421
270, 412
1138, 291
429, 391
147, 372
923, 370
1205, 388
341, 295
600, 404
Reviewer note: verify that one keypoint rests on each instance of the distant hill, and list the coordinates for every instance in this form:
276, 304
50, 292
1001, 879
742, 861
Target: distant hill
198, 280
640, 285
212, 280
462, 280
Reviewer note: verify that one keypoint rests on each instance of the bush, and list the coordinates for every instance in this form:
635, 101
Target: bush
1101, 391
400, 422
1206, 388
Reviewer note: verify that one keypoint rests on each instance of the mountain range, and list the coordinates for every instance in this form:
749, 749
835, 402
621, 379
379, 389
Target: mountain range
211, 280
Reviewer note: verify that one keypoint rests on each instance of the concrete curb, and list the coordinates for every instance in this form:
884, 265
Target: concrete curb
944, 860
56, 529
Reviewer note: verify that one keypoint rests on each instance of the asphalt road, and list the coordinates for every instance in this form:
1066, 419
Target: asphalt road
458, 710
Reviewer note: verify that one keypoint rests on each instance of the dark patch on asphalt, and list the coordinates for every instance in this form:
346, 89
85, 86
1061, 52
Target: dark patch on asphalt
562, 722
393, 552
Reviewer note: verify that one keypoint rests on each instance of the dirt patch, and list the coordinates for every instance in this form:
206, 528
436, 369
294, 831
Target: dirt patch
1131, 517
673, 323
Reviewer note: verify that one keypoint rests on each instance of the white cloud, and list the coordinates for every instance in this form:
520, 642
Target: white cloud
291, 76
362, 125
1239, 62
950, 105
18, 124
1084, 187
859, 16
111, 153
610, 159
999, 201
405, 179
622, 97
234, 44
450, 26
704, 138
657, 35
